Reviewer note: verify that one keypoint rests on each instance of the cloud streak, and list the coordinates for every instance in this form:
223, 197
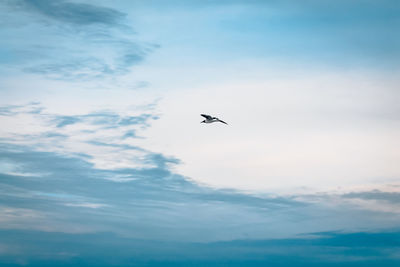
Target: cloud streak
76, 13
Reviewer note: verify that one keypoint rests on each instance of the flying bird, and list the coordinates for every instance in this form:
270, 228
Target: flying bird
210, 119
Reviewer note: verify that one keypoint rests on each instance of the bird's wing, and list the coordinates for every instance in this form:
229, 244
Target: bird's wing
208, 117
221, 121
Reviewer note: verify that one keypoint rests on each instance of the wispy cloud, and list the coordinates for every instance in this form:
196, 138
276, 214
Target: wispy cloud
108, 119
79, 41
75, 13
393, 197
101, 134
12, 110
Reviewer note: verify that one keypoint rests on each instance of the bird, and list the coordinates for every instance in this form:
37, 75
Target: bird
210, 119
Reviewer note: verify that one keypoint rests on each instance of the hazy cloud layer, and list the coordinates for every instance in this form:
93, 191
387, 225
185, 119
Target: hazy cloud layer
82, 173
102, 178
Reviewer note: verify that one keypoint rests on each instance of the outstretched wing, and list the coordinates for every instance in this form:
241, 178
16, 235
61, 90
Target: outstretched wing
221, 121
208, 117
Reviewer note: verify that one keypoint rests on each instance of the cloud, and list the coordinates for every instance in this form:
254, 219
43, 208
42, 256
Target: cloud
76, 13
81, 173
130, 134
78, 41
66, 120
7, 110
78, 69
106, 119
85, 161
392, 197
104, 135
12, 110
78, 178
143, 202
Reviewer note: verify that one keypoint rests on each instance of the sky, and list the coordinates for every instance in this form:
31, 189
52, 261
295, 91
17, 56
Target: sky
104, 161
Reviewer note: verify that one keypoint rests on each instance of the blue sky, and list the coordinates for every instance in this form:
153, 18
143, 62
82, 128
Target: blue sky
103, 161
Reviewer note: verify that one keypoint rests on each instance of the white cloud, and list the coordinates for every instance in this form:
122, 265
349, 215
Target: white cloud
320, 130
86, 205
